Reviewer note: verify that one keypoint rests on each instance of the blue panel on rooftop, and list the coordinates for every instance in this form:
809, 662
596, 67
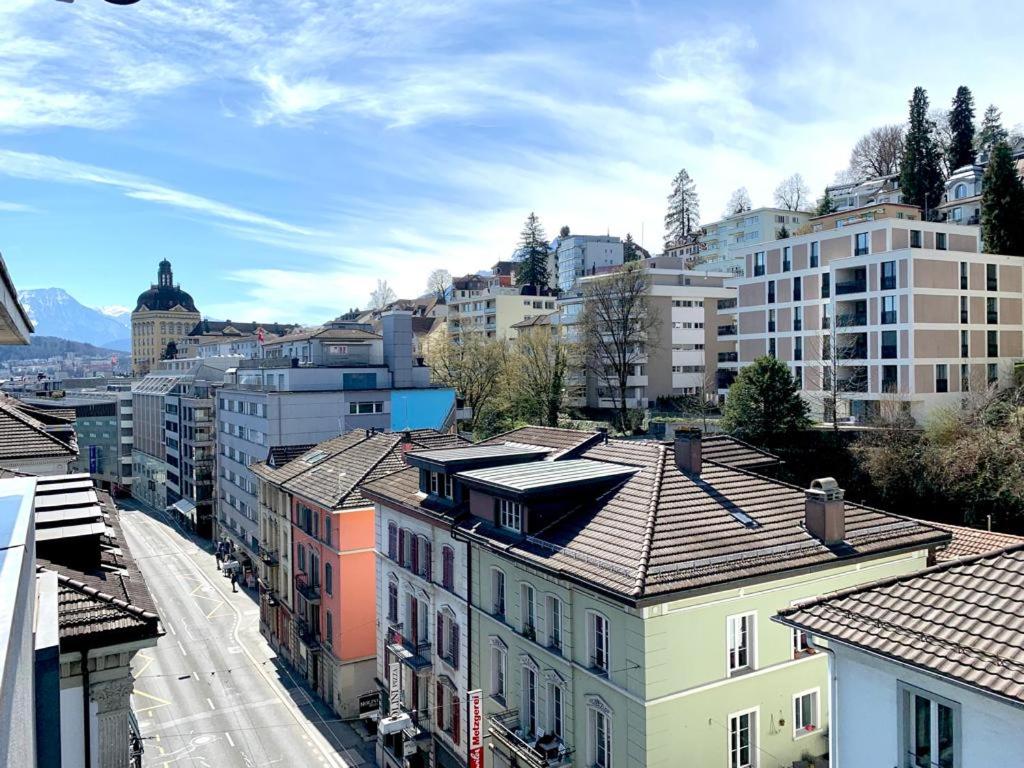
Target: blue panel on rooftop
420, 408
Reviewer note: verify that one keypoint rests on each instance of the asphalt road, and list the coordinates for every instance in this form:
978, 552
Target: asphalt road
212, 694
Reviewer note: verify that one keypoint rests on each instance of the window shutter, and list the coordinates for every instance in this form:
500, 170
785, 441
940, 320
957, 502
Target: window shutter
455, 645
439, 704
415, 559
456, 716
439, 638
428, 563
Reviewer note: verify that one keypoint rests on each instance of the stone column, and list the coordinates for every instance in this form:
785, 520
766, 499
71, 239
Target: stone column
112, 706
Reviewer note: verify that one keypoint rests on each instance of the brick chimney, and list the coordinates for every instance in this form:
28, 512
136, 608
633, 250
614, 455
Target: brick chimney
688, 450
825, 511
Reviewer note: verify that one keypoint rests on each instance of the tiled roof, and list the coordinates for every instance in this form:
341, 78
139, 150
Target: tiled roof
329, 473
226, 328
727, 450
24, 437
107, 602
959, 619
279, 455
561, 441
535, 320
973, 541
662, 532
325, 334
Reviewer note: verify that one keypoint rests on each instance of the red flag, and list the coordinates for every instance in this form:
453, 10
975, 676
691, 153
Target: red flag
259, 335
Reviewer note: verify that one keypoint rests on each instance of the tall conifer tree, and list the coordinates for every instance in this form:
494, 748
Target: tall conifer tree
532, 254
1002, 204
961, 128
921, 178
683, 215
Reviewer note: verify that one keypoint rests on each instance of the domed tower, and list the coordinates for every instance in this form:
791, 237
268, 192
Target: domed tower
163, 315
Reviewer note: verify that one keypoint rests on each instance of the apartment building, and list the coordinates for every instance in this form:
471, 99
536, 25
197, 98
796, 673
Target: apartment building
309, 387
586, 560
488, 306
903, 313
961, 201
216, 338
877, 190
723, 238
579, 255
682, 354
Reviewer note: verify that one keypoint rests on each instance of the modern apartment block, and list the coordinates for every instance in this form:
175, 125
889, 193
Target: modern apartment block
723, 238
312, 386
900, 311
581, 255
619, 602
682, 355
853, 195
488, 306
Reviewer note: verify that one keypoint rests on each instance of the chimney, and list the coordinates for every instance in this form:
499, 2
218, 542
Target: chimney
688, 451
603, 432
825, 511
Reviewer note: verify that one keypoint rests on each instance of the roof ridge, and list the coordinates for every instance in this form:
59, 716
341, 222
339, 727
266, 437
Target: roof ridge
652, 516
396, 441
889, 581
117, 602
30, 422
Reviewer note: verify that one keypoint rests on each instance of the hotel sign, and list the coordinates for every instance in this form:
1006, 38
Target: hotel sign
476, 729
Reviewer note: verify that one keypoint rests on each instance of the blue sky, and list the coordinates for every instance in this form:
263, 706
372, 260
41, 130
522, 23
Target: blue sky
286, 155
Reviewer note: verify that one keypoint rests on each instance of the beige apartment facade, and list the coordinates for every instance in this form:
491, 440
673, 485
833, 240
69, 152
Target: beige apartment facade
490, 310
905, 314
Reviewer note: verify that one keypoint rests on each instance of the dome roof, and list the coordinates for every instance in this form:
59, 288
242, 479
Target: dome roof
165, 295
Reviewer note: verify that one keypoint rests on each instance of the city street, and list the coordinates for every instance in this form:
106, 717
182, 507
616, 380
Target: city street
212, 693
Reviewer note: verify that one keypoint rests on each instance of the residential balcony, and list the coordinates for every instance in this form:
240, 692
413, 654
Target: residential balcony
853, 384
546, 752
851, 286
310, 592
728, 357
852, 320
397, 637
269, 557
308, 635
727, 330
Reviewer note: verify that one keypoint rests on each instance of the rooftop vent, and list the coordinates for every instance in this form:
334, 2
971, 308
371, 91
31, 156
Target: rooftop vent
688, 451
825, 511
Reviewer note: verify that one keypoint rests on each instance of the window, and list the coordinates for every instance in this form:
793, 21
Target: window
941, 377
499, 669
801, 644
888, 310
600, 742
787, 262
965, 377
758, 263
992, 311
528, 712
327, 528
931, 730
771, 320
510, 514
392, 600
963, 275
889, 378
890, 348
742, 740
798, 377
328, 579
861, 244
993, 343
915, 238
940, 241
376, 406
771, 291
404, 548
963, 309
959, 191
991, 277
965, 344
797, 289
425, 566
826, 285
448, 638
448, 568
554, 621
449, 487
498, 592
806, 717
300, 557
328, 628
598, 642
992, 373
393, 541
556, 710
434, 482
528, 611
888, 277
798, 318
771, 343
815, 253
740, 643
798, 347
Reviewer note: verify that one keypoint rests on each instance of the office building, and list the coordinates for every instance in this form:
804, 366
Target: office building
162, 318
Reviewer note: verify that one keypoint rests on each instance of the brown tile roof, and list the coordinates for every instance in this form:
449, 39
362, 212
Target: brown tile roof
960, 620
973, 541
535, 320
561, 441
279, 455
329, 474
25, 437
325, 334
727, 450
663, 532
107, 602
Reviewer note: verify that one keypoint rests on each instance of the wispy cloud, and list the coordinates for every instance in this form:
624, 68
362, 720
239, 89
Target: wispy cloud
8, 207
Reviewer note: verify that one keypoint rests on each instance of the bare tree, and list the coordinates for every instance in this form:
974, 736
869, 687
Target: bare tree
828, 351
474, 368
878, 152
942, 132
438, 283
616, 328
536, 373
382, 295
793, 194
739, 201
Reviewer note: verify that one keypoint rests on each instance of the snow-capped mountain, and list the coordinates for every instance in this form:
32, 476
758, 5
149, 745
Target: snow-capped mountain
123, 315
55, 312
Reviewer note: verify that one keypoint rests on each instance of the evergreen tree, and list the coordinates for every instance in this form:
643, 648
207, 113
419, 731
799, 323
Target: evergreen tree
532, 254
683, 215
1002, 204
781, 233
921, 178
564, 231
764, 404
961, 127
826, 205
992, 130
632, 250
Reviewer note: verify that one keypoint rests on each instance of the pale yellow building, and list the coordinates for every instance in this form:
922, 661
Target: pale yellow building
162, 315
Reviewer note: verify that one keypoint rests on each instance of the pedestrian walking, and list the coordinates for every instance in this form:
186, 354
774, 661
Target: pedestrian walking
234, 580
217, 555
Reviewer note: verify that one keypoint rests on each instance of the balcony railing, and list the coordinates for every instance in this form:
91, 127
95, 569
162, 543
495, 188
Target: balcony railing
888, 282
852, 385
307, 634
396, 636
728, 357
727, 330
545, 752
851, 286
311, 592
268, 556
889, 317
849, 321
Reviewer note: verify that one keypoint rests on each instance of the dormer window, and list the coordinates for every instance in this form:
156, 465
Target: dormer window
510, 515
441, 485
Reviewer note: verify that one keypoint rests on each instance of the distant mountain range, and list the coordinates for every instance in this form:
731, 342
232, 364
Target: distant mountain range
50, 346
55, 312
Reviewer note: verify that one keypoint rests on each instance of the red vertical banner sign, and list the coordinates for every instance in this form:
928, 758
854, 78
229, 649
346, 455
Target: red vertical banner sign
475, 723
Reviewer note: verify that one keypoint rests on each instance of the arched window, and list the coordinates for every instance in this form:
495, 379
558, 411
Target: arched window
959, 191
448, 568
392, 541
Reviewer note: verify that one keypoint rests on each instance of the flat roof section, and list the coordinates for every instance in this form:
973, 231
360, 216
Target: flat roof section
545, 476
456, 459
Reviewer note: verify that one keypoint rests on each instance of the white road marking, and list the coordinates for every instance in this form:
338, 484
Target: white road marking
195, 675
170, 628
210, 702
182, 647
230, 740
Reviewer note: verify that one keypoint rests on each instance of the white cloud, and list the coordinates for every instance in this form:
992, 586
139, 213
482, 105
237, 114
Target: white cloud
8, 207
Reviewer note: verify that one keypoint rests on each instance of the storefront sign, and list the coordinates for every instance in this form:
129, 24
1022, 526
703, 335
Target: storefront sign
394, 688
476, 729
369, 703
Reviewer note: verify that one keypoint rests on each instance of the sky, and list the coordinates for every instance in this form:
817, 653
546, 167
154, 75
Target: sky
284, 156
